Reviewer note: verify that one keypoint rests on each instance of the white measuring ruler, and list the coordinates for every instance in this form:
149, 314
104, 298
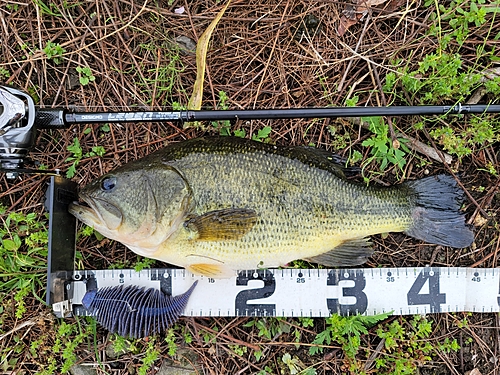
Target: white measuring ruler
309, 292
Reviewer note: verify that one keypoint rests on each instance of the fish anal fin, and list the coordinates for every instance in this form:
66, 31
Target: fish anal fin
226, 224
349, 253
211, 270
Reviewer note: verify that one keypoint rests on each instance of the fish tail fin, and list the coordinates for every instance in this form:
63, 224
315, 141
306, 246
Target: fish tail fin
436, 216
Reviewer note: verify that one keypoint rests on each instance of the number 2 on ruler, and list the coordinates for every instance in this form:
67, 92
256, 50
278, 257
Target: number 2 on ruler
242, 298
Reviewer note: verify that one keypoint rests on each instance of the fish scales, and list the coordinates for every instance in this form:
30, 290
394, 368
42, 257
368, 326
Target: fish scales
240, 204
275, 188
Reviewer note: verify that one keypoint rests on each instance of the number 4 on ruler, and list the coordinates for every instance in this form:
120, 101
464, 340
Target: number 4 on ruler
434, 298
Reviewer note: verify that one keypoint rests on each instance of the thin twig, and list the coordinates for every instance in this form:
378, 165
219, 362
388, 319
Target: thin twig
27, 323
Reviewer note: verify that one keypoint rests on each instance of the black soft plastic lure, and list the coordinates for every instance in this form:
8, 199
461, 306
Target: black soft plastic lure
133, 311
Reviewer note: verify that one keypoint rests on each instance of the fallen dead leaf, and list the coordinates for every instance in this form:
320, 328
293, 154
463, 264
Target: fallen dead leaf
364, 5
473, 372
201, 60
479, 221
355, 12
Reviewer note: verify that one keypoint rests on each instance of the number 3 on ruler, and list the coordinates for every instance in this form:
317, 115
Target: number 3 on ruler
434, 298
334, 305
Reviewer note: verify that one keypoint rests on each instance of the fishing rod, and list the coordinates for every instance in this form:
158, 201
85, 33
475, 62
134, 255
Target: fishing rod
19, 120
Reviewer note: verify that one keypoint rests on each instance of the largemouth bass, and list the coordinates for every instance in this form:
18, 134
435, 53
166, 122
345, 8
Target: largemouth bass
217, 205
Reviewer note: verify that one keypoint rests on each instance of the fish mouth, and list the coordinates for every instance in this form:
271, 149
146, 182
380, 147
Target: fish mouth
96, 212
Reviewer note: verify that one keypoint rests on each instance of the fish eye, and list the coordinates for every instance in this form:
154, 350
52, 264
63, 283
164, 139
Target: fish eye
108, 183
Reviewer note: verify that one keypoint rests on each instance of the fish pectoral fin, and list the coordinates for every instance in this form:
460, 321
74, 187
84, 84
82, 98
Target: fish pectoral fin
211, 270
349, 253
227, 224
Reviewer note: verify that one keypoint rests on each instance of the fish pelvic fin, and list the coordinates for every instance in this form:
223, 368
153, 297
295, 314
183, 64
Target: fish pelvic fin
226, 224
349, 253
215, 271
436, 217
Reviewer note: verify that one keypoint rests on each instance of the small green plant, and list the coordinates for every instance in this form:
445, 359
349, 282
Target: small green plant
491, 169
62, 344
262, 134
150, 357
85, 74
459, 16
297, 331
68, 346
23, 253
327, 91
493, 86
143, 263
267, 371
208, 336
480, 131
164, 78
49, 10
224, 127
170, 340
269, 327
351, 102
294, 366
86, 231
77, 152
354, 157
12, 7
188, 338
105, 128
54, 51
346, 330
406, 343
239, 350
240, 133
382, 148
446, 76
77, 155
399, 340
4, 73
120, 344
340, 139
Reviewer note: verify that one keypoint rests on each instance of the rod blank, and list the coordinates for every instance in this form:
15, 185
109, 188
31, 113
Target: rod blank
50, 118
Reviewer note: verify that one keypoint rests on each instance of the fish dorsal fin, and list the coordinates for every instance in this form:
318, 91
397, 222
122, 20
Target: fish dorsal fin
349, 253
226, 224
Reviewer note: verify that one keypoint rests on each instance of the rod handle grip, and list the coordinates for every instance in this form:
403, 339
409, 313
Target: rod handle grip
50, 118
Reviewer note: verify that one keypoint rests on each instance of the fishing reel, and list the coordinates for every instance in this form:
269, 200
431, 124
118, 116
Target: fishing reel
17, 129
19, 122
